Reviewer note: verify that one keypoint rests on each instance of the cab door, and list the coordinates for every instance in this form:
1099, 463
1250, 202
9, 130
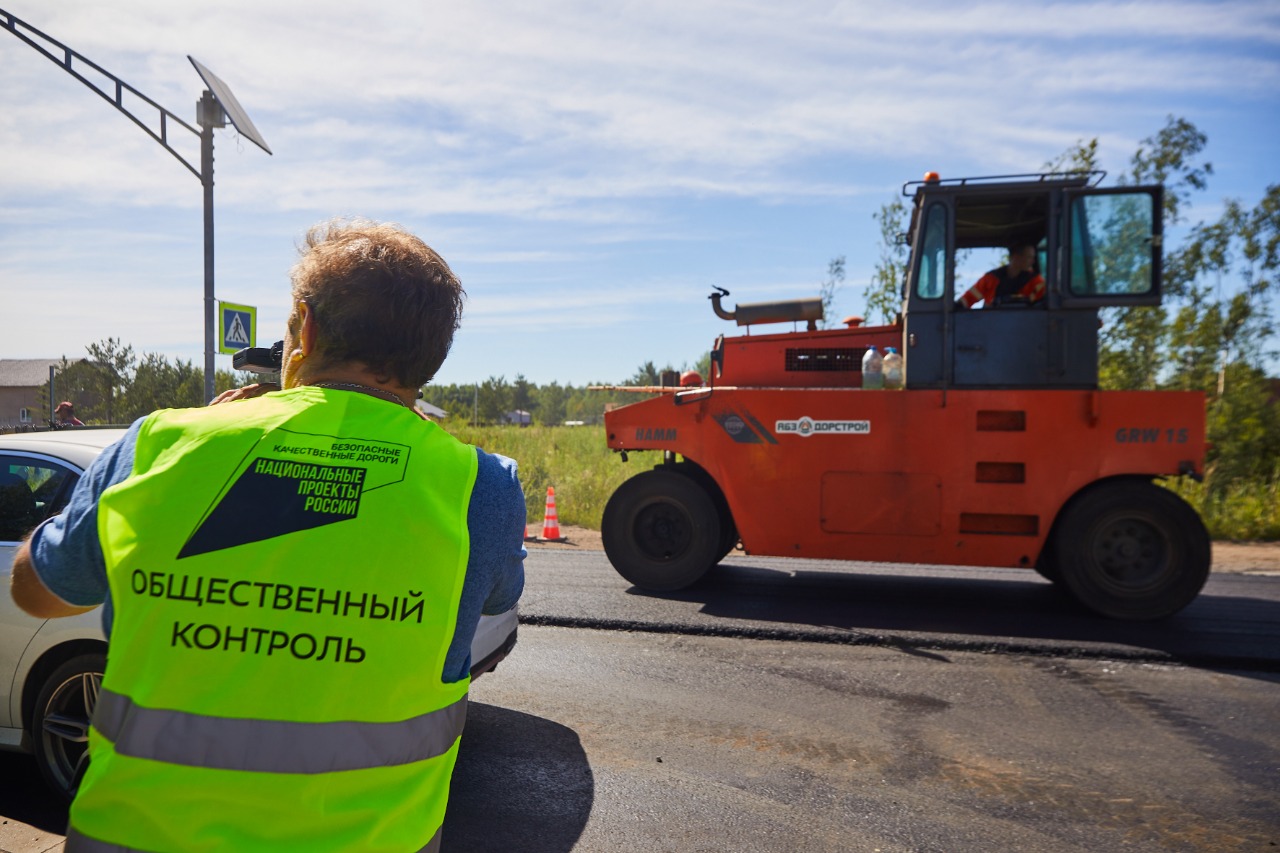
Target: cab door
929, 287
1006, 347
1111, 247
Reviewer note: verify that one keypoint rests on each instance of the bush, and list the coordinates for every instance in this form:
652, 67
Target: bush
1244, 509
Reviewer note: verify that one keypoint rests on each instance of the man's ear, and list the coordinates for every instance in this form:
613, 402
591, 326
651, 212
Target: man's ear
307, 332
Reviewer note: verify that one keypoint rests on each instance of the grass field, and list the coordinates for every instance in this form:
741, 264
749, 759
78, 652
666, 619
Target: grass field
584, 472
575, 460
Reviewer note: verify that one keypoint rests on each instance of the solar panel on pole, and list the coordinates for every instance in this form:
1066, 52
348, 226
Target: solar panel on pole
235, 113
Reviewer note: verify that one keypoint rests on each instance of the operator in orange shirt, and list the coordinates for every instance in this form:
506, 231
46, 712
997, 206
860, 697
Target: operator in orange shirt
1016, 281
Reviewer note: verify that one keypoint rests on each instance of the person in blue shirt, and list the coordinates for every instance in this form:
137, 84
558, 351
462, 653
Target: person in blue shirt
373, 317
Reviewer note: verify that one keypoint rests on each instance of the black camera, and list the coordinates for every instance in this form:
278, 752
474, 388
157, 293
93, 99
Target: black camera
259, 359
265, 361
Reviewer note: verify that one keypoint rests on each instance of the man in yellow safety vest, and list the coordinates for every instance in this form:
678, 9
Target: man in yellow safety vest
292, 580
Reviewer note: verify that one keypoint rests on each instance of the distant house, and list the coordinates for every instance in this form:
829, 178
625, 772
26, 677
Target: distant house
20, 382
519, 416
434, 412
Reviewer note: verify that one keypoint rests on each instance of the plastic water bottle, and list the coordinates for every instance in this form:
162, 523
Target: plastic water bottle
872, 370
894, 377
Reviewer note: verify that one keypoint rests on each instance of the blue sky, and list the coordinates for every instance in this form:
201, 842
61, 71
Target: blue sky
589, 170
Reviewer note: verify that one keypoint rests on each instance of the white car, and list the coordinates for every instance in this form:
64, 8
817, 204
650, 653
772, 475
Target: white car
50, 669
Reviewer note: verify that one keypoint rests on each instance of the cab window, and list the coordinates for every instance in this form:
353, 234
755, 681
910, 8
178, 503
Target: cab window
931, 276
1111, 245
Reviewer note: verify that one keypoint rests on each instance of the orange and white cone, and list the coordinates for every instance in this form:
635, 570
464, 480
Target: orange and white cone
527, 537
551, 522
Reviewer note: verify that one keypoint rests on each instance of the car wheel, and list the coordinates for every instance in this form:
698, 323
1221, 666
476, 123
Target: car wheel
60, 722
1132, 550
661, 531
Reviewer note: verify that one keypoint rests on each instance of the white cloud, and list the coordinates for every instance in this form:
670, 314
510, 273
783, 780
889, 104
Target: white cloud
662, 91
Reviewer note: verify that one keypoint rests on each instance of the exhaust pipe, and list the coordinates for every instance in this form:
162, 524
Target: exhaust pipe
790, 311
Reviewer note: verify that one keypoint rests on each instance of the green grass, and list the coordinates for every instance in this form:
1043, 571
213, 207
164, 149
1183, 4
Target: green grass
574, 460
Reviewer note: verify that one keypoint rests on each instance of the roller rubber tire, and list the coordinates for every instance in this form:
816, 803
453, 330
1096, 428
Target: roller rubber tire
1132, 550
661, 531
728, 530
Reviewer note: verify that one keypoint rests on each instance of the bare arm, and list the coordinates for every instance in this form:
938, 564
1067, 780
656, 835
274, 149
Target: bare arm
30, 593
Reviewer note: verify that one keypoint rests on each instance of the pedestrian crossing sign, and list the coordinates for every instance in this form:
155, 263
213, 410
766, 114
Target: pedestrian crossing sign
237, 327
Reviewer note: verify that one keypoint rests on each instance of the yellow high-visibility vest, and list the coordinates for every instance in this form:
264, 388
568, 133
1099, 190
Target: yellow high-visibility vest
285, 574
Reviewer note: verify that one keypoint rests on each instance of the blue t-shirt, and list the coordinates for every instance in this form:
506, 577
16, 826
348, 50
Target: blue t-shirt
67, 554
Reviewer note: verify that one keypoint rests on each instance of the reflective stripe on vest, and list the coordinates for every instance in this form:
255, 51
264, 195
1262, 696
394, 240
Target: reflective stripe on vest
79, 843
271, 746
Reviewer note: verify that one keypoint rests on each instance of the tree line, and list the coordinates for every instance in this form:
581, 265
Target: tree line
491, 401
114, 385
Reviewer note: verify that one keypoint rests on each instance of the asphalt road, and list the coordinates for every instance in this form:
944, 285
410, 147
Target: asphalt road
1234, 622
614, 742
812, 706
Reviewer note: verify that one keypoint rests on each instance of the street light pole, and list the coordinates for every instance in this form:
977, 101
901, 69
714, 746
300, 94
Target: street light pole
209, 115
215, 107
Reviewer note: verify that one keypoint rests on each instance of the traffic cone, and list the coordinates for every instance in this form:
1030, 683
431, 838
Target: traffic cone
527, 537
551, 522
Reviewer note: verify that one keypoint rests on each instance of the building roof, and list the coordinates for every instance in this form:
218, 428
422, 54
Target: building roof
26, 372
430, 410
